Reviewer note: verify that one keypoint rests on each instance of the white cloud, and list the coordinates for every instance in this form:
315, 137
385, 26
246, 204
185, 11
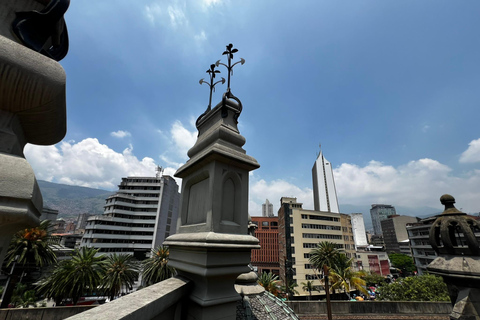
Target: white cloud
177, 15
416, 184
472, 154
153, 12
201, 36
87, 163
183, 139
120, 134
273, 191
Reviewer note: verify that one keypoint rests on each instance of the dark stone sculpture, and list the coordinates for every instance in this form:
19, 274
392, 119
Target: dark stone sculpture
44, 31
453, 237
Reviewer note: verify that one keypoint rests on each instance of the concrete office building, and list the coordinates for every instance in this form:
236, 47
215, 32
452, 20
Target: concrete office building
380, 212
395, 231
359, 233
300, 231
266, 259
373, 259
324, 192
267, 209
139, 216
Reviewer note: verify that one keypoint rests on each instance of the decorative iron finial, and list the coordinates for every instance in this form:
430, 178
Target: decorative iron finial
229, 52
212, 85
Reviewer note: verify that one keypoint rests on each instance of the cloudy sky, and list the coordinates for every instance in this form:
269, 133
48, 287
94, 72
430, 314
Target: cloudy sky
390, 89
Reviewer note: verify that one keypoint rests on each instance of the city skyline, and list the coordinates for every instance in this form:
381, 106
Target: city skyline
388, 88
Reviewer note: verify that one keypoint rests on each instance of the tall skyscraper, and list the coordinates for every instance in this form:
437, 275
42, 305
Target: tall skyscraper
267, 209
380, 212
139, 216
358, 226
324, 193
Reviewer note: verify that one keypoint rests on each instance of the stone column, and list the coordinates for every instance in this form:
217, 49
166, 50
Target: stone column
32, 110
212, 246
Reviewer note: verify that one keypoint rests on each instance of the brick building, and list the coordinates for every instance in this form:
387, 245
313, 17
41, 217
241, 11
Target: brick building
265, 259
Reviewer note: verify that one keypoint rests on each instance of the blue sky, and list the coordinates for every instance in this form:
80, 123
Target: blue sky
389, 89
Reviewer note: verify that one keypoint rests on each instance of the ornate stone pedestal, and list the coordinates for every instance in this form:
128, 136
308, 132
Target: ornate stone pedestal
452, 236
32, 110
212, 246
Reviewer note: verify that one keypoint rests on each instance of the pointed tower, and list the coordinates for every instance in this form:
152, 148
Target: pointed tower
324, 193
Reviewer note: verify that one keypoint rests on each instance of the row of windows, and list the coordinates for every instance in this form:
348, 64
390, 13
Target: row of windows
320, 226
321, 236
132, 233
134, 209
120, 199
121, 224
307, 245
313, 277
312, 217
138, 188
120, 241
128, 216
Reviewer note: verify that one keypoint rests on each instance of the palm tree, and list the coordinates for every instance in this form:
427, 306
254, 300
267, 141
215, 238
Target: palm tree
29, 249
156, 268
309, 287
76, 277
325, 253
120, 270
270, 282
289, 289
343, 277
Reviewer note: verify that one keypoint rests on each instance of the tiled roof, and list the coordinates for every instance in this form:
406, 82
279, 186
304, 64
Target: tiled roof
263, 306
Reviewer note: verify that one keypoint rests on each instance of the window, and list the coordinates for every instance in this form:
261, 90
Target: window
265, 223
304, 216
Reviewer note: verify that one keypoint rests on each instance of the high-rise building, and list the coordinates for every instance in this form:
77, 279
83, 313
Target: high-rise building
324, 193
82, 222
139, 216
300, 231
395, 231
359, 234
266, 259
267, 209
380, 212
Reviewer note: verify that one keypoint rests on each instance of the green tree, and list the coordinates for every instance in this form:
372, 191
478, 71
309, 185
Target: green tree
22, 297
270, 282
326, 253
403, 263
419, 288
309, 287
29, 249
289, 290
74, 278
120, 271
344, 277
374, 279
156, 268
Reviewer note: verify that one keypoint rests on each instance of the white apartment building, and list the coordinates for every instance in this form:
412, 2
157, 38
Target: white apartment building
138, 217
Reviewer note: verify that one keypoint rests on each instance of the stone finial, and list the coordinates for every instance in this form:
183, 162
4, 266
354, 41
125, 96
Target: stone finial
454, 231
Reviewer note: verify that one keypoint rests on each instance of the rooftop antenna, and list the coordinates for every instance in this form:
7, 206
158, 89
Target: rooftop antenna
159, 172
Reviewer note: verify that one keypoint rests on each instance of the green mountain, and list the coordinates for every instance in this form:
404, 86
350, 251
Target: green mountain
72, 200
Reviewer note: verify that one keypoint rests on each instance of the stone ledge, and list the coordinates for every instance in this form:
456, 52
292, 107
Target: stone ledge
148, 303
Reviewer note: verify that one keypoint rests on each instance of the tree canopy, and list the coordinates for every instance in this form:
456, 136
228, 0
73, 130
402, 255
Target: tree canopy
402, 262
419, 288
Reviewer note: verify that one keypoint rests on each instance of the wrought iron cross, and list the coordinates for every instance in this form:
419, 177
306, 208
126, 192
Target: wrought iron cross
229, 53
212, 73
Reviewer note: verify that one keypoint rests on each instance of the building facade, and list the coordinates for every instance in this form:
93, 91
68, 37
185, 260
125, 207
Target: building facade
267, 209
380, 212
131, 216
359, 233
373, 259
395, 231
300, 231
324, 192
266, 259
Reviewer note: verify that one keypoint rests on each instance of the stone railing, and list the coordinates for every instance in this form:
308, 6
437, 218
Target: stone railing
304, 308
